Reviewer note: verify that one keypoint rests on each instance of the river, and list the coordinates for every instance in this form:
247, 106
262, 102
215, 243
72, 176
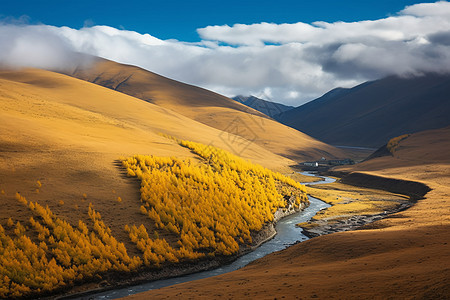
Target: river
287, 234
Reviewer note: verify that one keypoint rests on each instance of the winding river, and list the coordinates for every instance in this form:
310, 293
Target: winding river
287, 234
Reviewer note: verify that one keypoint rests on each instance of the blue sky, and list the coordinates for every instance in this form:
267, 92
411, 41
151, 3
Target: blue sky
285, 51
170, 19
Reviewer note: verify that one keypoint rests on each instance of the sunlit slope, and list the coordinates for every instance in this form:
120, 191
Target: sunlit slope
405, 256
206, 107
68, 107
428, 147
67, 133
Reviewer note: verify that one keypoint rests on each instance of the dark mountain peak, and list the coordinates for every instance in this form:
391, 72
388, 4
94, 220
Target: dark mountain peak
268, 108
336, 92
373, 112
240, 98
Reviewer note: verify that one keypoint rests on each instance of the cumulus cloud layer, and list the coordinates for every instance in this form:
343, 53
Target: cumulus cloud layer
290, 63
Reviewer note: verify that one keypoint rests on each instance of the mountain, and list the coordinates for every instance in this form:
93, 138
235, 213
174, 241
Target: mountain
356, 264
207, 107
62, 141
370, 114
268, 108
68, 134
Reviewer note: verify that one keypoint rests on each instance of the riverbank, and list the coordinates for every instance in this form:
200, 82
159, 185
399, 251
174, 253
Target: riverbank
114, 281
355, 222
356, 203
267, 233
287, 235
405, 257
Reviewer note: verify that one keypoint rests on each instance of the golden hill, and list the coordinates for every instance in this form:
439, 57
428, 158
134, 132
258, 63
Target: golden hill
405, 256
61, 142
208, 108
61, 139
68, 133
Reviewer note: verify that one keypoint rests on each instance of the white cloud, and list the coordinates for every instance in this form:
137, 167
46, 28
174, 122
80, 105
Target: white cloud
290, 63
441, 8
34, 46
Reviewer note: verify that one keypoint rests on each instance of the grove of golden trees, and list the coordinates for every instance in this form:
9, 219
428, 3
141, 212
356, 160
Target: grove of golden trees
63, 255
211, 207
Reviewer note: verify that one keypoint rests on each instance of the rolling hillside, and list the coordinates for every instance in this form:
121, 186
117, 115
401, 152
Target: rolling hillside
404, 256
370, 114
208, 108
63, 142
268, 108
68, 134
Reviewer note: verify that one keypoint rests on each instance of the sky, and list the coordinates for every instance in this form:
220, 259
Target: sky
285, 51
174, 19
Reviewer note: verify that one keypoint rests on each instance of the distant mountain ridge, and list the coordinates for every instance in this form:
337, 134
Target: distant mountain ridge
268, 108
372, 113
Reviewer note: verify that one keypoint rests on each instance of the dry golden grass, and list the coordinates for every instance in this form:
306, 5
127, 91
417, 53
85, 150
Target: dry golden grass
357, 208
208, 108
307, 225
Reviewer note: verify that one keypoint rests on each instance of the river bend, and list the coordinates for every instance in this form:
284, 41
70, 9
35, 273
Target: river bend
287, 234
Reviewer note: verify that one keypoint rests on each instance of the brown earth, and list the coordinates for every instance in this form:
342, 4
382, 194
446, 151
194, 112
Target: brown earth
405, 256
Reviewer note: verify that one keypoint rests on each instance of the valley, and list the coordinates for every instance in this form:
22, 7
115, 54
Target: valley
62, 165
409, 248
225, 150
114, 176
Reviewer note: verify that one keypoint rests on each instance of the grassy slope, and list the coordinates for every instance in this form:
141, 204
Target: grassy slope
404, 256
207, 107
67, 133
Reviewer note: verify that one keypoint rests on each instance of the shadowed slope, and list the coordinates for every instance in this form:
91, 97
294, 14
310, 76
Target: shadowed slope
405, 256
374, 112
208, 108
